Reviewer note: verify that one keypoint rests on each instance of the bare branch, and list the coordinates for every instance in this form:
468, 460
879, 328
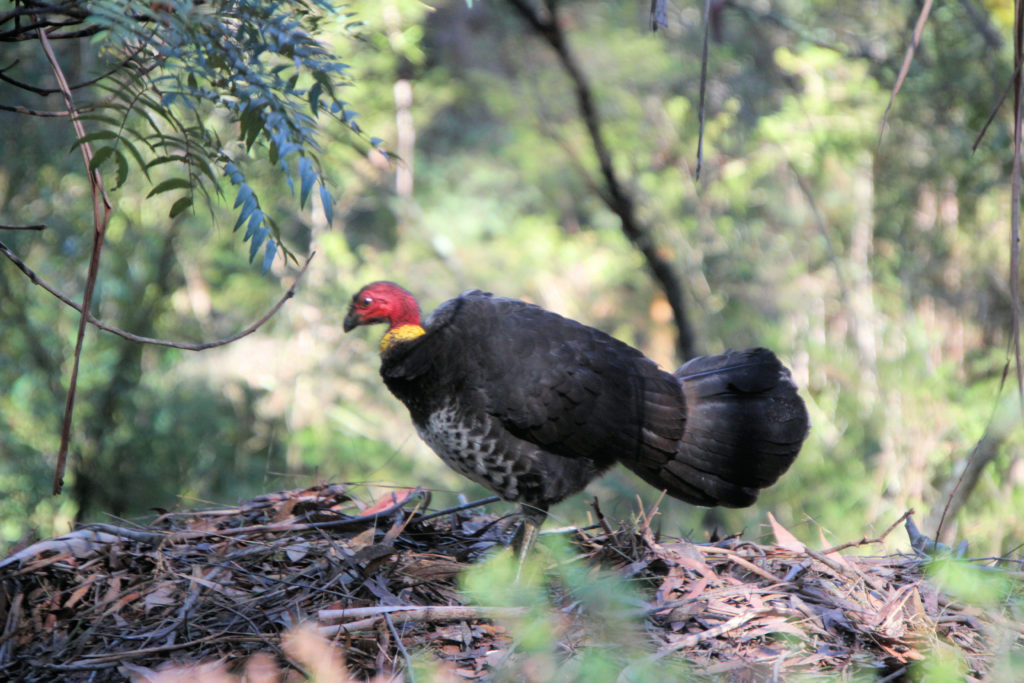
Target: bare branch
101, 218
77, 86
459, 508
414, 613
996, 108
36, 226
614, 193
18, 109
956, 492
184, 346
1015, 195
701, 109
907, 59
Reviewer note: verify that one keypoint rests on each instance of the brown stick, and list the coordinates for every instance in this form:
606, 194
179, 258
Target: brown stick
701, 104
956, 493
1015, 197
693, 639
849, 572
101, 208
405, 614
915, 40
90, 661
746, 564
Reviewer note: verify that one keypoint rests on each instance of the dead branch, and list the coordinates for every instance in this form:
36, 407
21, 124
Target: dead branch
411, 613
908, 58
1015, 197
101, 218
614, 192
36, 90
701, 104
459, 508
36, 226
958, 489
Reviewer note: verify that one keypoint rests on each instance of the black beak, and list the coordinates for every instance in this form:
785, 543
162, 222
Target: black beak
352, 320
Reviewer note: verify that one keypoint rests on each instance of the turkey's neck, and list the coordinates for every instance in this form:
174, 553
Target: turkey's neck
401, 333
405, 326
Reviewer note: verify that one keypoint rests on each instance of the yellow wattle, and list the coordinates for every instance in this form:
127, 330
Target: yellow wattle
400, 334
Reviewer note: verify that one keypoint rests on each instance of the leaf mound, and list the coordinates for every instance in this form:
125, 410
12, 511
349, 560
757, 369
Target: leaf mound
315, 582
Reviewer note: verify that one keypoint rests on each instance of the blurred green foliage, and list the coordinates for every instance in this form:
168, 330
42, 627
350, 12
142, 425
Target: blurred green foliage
989, 591
875, 263
559, 606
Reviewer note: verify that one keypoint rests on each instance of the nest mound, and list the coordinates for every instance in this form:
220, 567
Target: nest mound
314, 582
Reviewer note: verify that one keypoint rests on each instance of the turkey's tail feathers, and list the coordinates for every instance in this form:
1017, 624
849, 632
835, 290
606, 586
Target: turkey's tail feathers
745, 424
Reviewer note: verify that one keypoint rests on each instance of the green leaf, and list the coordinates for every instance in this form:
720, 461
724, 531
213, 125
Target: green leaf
328, 203
257, 241
100, 156
255, 221
166, 159
244, 194
171, 184
307, 177
91, 137
133, 150
251, 125
250, 205
268, 255
180, 205
314, 97
122, 168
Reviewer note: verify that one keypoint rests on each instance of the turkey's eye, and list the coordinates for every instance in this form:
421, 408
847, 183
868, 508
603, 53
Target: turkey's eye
367, 301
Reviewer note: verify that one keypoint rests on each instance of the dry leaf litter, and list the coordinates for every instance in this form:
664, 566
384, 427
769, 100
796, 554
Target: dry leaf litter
314, 582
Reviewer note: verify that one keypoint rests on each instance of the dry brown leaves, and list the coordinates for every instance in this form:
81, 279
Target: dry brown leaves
749, 611
312, 582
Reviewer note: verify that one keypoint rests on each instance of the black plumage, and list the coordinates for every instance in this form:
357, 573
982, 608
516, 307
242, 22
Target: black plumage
534, 406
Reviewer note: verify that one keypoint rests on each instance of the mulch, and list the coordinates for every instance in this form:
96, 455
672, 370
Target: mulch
314, 582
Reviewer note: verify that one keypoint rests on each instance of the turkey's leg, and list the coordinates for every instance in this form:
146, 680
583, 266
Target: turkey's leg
533, 517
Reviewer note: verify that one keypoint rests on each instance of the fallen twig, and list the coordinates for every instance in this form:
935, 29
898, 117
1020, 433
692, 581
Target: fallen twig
433, 613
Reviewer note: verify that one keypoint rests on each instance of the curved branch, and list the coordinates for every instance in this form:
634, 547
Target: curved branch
185, 346
614, 192
77, 86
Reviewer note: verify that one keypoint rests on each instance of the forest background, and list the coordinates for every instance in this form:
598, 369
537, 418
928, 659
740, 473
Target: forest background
874, 259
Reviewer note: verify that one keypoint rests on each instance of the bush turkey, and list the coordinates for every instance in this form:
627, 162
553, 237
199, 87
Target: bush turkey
534, 406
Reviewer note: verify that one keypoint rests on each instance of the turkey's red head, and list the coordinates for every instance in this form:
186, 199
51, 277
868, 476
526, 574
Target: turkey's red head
382, 302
